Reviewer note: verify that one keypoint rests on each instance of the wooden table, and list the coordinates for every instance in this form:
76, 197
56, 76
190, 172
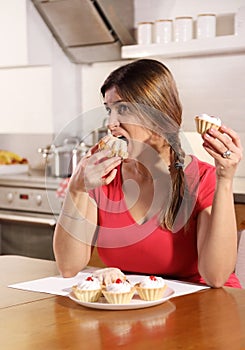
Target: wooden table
210, 319
15, 269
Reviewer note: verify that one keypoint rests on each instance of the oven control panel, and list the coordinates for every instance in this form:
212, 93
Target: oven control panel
29, 199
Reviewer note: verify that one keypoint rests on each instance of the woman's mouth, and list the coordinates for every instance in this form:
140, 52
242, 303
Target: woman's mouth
122, 138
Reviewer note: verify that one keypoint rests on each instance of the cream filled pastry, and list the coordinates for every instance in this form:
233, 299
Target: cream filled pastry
88, 289
151, 288
90, 283
152, 282
119, 286
205, 122
118, 292
118, 146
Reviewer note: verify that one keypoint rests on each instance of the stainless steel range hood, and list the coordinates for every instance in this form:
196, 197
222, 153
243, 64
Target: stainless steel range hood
89, 30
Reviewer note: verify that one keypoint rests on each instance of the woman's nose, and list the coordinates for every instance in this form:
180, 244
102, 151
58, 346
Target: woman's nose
113, 122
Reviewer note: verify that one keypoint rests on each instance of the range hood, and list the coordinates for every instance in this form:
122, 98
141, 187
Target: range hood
89, 30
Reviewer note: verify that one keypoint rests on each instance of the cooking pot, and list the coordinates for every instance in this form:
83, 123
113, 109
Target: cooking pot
62, 160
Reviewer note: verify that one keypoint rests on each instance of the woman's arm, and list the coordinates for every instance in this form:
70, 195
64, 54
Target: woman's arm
74, 233
217, 240
77, 224
217, 233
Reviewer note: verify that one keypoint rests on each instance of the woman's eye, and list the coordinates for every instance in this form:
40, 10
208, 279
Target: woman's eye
123, 108
108, 110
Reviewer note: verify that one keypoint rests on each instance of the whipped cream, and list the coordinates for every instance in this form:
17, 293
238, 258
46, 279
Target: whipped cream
119, 287
152, 282
210, 119
89, 283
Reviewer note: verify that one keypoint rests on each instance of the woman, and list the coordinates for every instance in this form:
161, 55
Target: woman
159, 211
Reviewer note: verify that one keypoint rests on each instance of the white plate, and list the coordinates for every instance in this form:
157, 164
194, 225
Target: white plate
136, 302
13, 169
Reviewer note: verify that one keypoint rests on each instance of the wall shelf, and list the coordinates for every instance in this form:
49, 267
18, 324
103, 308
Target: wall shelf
228, 44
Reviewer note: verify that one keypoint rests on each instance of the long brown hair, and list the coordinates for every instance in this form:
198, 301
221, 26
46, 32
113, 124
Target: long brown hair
149, 83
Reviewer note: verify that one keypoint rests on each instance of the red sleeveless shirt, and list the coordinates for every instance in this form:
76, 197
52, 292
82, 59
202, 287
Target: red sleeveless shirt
148, 248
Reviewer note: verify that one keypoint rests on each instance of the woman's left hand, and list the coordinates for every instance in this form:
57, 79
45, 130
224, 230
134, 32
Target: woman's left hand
225, 147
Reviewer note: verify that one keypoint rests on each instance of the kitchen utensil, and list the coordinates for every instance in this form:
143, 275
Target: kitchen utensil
61, 160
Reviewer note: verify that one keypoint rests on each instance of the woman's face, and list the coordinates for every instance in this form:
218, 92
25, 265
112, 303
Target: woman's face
123, 122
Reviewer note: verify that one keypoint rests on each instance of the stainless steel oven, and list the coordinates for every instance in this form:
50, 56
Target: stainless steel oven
28, 212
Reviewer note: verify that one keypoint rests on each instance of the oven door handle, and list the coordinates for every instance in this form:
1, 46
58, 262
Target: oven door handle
28, 219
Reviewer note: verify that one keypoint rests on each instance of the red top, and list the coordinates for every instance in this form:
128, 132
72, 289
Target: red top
147, 248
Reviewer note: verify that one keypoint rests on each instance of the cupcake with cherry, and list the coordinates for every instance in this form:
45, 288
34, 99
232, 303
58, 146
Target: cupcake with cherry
118, 292
88, 289
151, 288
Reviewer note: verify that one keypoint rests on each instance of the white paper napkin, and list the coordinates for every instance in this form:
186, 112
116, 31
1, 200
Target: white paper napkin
62, 286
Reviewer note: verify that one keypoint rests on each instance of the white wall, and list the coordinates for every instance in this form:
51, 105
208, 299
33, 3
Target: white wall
151, 10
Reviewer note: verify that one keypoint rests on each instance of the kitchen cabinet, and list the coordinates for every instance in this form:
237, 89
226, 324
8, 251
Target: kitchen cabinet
24, 38
13, 33
26, 100
220, 45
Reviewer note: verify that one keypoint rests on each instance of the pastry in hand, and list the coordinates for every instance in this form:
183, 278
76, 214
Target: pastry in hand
117, 145
205, 122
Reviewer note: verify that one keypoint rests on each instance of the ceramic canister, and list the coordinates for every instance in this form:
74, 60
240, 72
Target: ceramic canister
163, 31
206, 25
144, 33
183, 29
240, 21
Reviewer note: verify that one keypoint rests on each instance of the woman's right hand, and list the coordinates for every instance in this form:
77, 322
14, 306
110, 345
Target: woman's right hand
94, 169
109, 275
